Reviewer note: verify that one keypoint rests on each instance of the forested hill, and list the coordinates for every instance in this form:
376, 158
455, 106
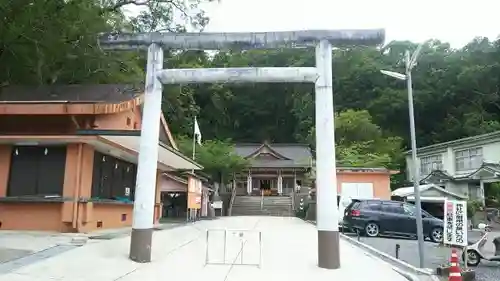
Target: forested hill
456, 90
456, 93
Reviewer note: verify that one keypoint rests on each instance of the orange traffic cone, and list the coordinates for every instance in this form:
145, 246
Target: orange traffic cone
455, 271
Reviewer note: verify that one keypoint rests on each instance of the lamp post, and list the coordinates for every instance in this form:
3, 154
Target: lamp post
410, 62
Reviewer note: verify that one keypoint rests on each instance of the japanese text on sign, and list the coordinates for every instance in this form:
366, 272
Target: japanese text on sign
448, 222
455, 226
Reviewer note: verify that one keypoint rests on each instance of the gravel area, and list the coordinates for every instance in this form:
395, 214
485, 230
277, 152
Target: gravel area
435, 255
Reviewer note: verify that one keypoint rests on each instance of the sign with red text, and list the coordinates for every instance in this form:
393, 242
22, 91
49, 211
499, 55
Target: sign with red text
194, 193
455, 223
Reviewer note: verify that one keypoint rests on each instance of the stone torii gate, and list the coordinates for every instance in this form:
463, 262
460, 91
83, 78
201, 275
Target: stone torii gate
321, 75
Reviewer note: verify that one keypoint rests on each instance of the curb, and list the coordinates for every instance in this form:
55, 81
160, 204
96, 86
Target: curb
407, 275
413, 277
400, 265
405, 269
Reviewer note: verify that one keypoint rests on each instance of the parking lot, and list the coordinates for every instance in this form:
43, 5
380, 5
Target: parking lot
435, 255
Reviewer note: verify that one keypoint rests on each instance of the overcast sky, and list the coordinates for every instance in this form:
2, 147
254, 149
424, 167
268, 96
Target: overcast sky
454, 21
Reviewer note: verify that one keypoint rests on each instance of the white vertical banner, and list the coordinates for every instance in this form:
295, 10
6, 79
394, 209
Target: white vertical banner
249, 184
197, 132
455, 223
280, 183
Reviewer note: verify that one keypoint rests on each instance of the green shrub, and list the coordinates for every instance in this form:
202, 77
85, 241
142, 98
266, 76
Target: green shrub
473, 206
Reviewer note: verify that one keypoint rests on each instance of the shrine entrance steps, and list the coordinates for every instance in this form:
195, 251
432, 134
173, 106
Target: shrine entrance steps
279, 206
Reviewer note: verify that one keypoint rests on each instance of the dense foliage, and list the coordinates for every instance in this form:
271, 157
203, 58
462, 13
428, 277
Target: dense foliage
216, 156
456, 90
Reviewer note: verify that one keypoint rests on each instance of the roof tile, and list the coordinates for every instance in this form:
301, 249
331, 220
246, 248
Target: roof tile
98, 93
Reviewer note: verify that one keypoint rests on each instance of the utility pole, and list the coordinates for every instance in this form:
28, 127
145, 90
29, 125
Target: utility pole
410, 62
321, 75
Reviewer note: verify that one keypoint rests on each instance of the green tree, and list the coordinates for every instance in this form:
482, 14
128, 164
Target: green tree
455, 89
55, 41
47, 42
158, 15
217, 157
361, 143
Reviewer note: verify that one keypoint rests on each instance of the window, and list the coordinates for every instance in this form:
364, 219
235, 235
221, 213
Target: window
372, 205
425, 214
468, 159
430, 163
409, 210
392, 208
113, 178
37, 171
354, 205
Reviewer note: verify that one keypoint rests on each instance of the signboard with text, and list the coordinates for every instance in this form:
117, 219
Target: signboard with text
455, 223
194, 193
217, 204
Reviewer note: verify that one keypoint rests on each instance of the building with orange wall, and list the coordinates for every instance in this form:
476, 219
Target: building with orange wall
364, 183
68, 157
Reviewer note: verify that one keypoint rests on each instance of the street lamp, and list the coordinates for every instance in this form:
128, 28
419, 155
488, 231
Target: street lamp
394, 74
410, 62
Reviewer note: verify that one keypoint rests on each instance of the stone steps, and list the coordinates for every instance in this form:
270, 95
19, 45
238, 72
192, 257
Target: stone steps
272, 206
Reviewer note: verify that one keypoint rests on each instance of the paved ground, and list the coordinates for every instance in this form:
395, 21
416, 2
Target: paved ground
435, 255
288, 252
22, 248
7, 254
18, 249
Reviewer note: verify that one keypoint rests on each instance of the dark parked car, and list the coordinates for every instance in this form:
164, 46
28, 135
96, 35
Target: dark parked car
375, 217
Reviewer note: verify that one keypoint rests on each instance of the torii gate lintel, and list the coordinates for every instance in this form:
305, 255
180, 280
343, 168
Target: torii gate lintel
242, 40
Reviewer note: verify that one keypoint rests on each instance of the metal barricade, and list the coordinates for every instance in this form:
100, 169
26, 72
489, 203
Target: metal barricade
233, 247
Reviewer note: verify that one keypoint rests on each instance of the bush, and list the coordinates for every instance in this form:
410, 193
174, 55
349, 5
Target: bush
473, 206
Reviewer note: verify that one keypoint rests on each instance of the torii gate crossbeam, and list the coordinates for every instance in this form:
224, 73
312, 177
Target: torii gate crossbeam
321, 75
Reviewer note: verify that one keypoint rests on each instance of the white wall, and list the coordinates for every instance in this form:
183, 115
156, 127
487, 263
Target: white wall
491, 153
409, 163
461, 188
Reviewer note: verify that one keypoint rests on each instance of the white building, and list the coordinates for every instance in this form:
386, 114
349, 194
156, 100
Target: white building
461, 166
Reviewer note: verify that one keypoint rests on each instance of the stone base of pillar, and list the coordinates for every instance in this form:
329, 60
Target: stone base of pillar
328, 249
140, 246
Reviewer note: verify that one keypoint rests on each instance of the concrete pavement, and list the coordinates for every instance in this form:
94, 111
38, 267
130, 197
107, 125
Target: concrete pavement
435, 255
288, 250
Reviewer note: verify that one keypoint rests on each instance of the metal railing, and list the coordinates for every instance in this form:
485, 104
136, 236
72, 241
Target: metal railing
245, 237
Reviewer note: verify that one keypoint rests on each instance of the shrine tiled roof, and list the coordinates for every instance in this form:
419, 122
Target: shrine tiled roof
288, 155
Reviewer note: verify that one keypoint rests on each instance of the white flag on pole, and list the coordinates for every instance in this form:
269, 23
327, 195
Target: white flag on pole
197, 132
